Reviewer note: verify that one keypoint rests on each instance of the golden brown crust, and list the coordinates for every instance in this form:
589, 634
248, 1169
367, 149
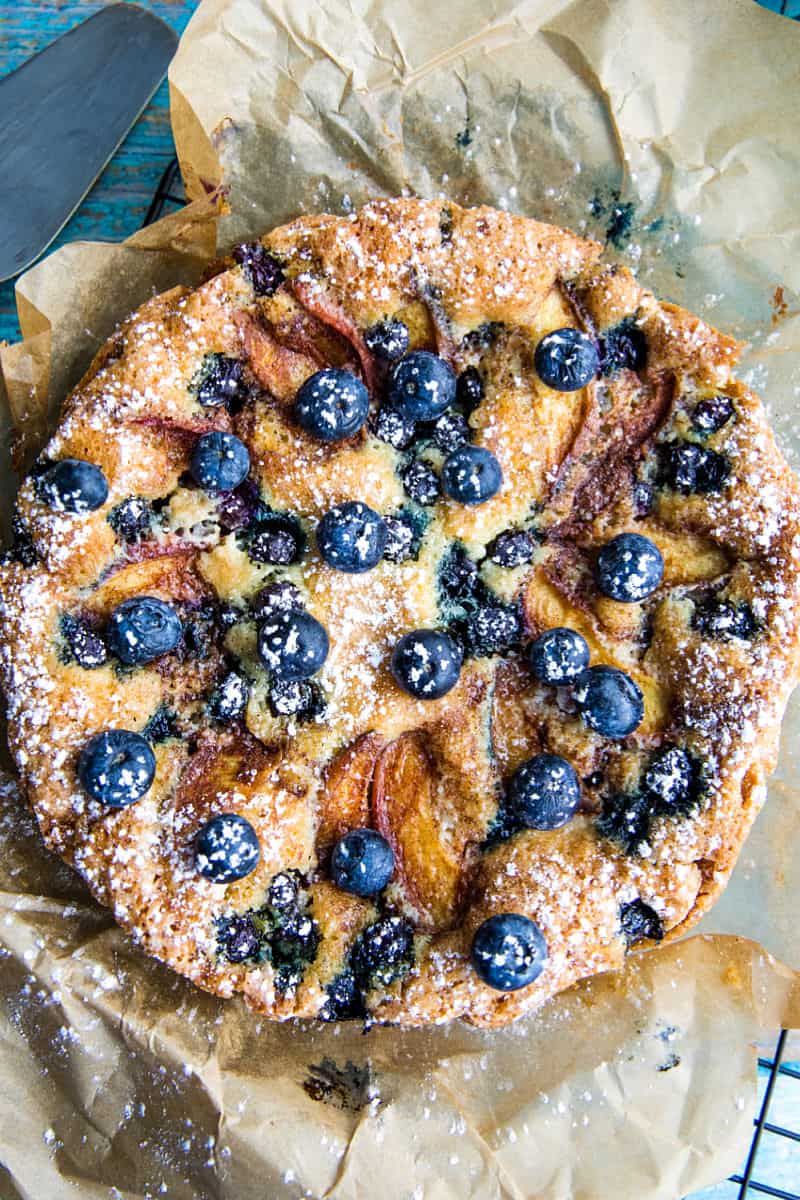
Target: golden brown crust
481, 288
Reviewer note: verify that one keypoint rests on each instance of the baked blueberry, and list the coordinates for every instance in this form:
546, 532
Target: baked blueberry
544, 792
333, 404
629, 567
229, 699
295, 698
611, 703
723, 620
351, 537
508, 951
638, 920
688, 468
238, 938
709, 415
293, 644
274, 538
72, 485
280, 595
566, 360
558, 656
161, 727
85, 645
142, 629
469, 389
394, 427
471, 475
383, 951
388, 340
226, 849
201, 631
116, 767
492, 629
23, 548
219, 381
362, 862
642, 498
219, 462
459, 579
422, 385
131, 519
426, 663
450, 431
421, 482
344, 1000
670, 777
402, 539
623, 347
262, 268
626, 819
513, 548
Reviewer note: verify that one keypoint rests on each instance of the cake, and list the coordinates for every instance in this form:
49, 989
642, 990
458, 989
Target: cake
399, 624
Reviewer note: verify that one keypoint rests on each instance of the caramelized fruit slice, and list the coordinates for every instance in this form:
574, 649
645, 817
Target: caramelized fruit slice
344, 800
428, 870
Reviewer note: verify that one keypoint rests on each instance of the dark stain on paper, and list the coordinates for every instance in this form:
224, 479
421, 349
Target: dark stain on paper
348, 1087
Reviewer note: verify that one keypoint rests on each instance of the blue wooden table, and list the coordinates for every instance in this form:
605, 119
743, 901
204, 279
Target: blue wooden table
118, 202
115, 208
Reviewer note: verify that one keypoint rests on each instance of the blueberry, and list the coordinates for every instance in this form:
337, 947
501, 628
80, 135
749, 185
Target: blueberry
333, 404
426, 663
262, 268
493, 629
351, 537
509, 952
295, 698
420, 482
558, 656
226, 849
394, 427
292, 645
638, 920
422, 385
142, 629
220, 380
284, 891
626, 819
471, 475
723, 620
161, 726
450, 431
402, 540
711, 414
623, 347
544, 792
458, 576
131, 520
116, 767
23, 548
388, 340
629, 567
275, 539
344, 1000
610, 701
229, 699
642, 498
201, 631
469, 389
219, 462
86, 647
72, 485
238, 939
670, 777
382, 951
279, 596
688, 468
362, 862
513, 548
566, 360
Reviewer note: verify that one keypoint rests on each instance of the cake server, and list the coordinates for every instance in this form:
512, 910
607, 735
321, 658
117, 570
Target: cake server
64, 113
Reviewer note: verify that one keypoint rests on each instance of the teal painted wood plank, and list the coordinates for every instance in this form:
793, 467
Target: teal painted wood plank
118, 202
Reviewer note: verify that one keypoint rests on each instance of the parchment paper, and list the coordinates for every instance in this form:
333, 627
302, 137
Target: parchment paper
670, 128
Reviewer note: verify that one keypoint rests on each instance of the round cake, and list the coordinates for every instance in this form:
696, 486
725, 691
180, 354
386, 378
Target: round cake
400, 623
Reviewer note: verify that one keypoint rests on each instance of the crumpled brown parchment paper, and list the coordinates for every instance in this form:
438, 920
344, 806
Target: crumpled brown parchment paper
668, 128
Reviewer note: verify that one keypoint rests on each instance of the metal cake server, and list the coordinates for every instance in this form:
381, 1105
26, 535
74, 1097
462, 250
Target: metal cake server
64, 113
